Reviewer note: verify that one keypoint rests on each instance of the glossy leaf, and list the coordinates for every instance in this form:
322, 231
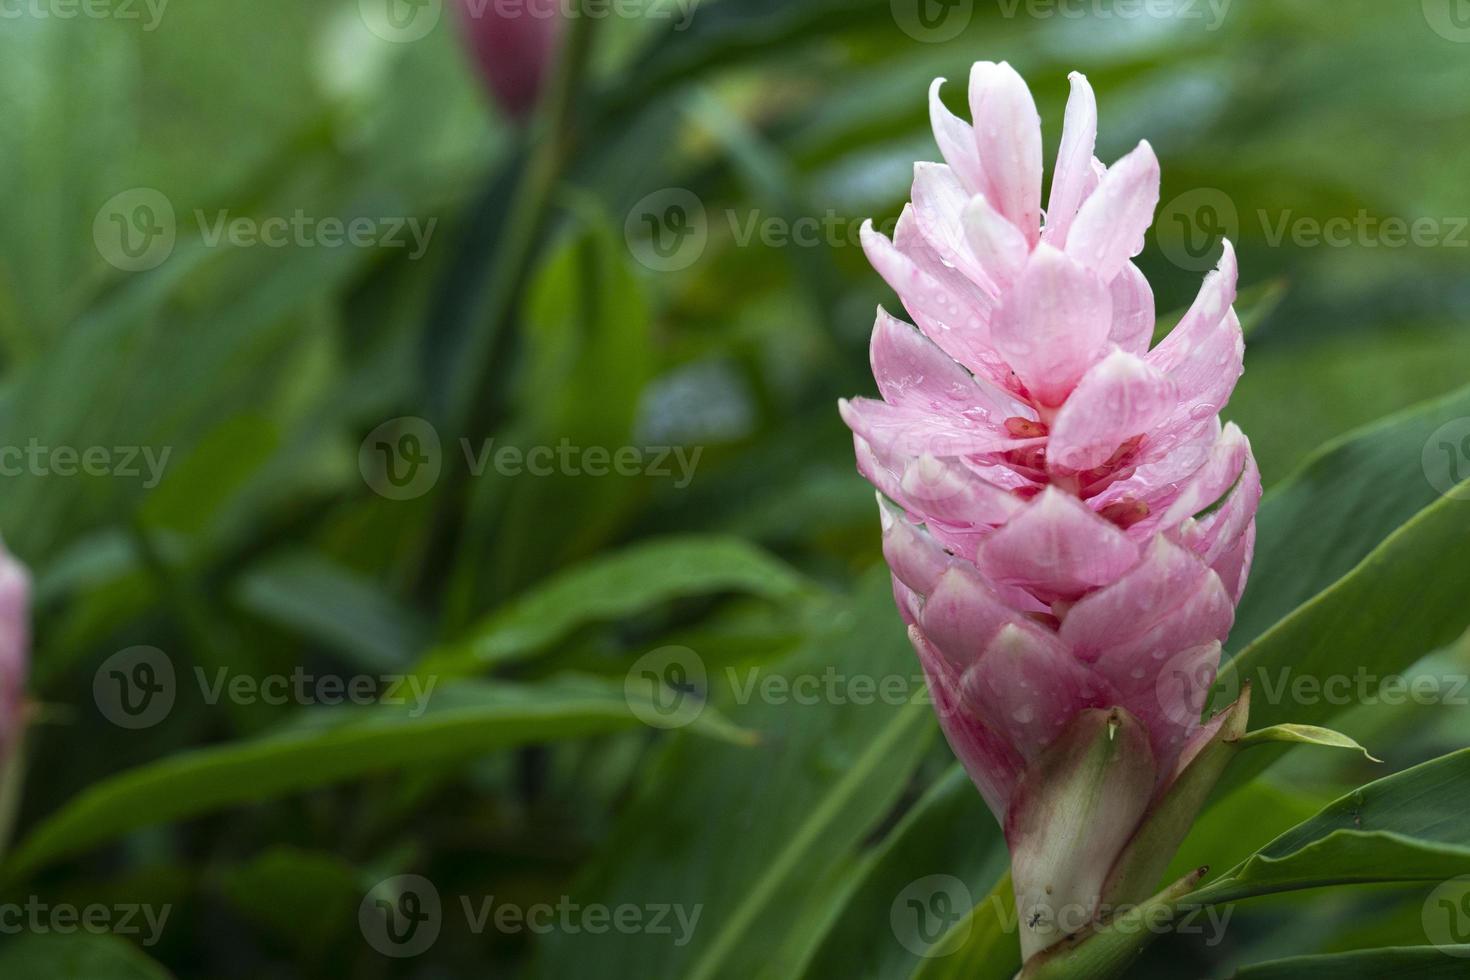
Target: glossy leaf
325, 747
1405, 827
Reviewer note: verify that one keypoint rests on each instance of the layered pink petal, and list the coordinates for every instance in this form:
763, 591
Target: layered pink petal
1110, 225
1234, 565
1217, 533
912, 371
1120, 397
1057, 547
943, 489
989, 758
879, 469
996, 244
1028, 682
1133, 310
909, 431
1008, 139
1074, 178
963, 614
1053, 325
912, 555
1211, 481
1133, 604
1169, 707
956, 141
1204, 615
938, 204
1204, 351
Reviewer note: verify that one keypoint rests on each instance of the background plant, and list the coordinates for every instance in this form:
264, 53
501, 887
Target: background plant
534, 317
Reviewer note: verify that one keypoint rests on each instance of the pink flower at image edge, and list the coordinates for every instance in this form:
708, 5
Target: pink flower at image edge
15, 640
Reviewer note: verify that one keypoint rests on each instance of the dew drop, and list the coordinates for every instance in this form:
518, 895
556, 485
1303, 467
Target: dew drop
1203, 411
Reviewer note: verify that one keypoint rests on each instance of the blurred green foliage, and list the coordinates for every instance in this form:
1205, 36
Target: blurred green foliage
267, 544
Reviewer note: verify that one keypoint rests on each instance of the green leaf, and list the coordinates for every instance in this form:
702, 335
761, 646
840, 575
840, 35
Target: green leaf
728, 32
1237, 826
307, 897
984, 945
1402, 601
77, 956
947, 841
1420, 962
311, 595
587, 353
328, 746
1303, 734
615, 586
748, 837
1405, 827
1319, 523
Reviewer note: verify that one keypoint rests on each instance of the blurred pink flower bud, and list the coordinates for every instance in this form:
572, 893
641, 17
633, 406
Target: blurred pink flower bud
1070, 525
514, 43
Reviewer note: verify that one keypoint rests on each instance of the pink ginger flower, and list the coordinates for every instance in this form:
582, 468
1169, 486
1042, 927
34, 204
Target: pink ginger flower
15, 643
1070, 525
514, 43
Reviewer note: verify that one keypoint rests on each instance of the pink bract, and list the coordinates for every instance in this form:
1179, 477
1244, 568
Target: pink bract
1068, 523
